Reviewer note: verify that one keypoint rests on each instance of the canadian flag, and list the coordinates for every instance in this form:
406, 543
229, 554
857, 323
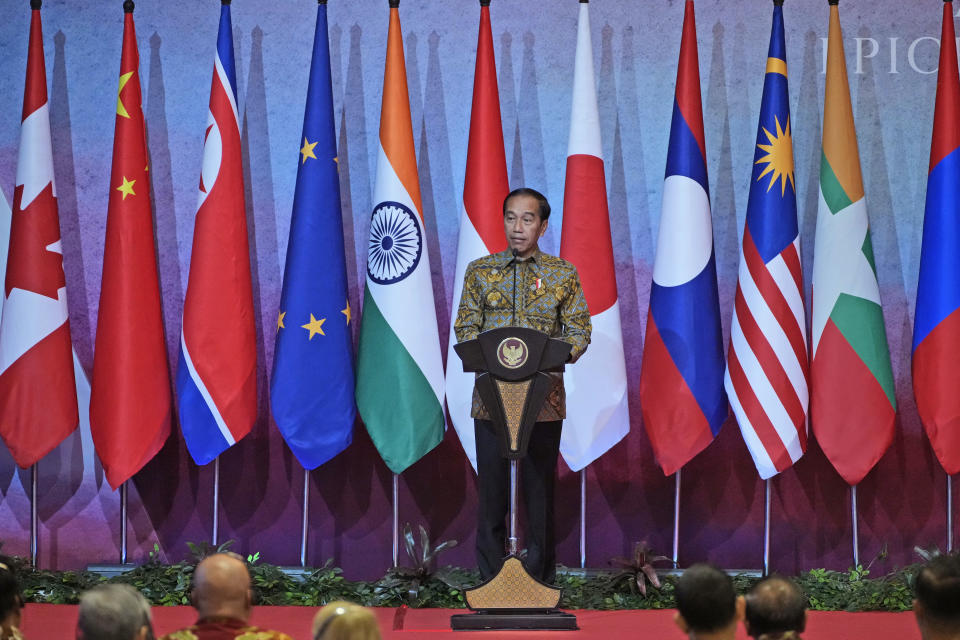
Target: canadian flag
38, 397
597, 413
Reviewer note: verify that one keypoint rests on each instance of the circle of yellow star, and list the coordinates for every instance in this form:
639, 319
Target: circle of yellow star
346, 312
280, 324
307, 150
126, 188
314, 326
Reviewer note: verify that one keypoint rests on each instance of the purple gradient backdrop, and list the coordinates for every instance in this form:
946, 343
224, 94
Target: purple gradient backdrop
902, 503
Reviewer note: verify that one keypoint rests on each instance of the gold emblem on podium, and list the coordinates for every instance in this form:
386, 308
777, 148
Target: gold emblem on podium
512, 353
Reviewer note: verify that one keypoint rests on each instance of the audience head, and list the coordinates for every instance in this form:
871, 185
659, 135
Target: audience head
11, 602
707, 604
776, 609
221, 587
937, 605
345, 621
114, 612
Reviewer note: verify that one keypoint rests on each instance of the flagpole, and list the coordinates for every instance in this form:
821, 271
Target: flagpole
216, 500
396, 493
949, 513
855, 529
676, 519
33, 496
766, 520
123, 518
583, 518
306, 515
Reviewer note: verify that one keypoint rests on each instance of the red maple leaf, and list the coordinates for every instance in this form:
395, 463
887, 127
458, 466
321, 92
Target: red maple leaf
30, 265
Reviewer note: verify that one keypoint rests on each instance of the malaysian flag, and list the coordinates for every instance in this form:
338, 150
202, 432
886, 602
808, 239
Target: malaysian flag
766, 378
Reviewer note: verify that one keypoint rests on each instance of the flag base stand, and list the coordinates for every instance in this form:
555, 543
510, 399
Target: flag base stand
513, 599
111, 570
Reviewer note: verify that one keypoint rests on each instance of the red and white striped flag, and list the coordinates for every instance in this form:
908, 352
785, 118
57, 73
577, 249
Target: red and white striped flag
767, 364
597, 414
38, 396
485, 185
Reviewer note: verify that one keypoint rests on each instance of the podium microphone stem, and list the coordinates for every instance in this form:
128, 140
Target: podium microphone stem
513, 507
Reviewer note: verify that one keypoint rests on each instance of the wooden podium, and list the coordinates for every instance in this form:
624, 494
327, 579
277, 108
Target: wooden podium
513, 364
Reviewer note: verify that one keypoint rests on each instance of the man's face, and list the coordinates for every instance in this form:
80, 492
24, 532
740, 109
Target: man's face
522, 224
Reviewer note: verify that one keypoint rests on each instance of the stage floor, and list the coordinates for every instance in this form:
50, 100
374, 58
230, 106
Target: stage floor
49, 622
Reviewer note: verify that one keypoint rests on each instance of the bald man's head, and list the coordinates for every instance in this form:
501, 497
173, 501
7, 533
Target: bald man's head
221, 587
775, 605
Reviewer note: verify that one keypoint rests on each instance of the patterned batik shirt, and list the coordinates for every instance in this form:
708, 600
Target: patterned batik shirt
549, 299
224, 629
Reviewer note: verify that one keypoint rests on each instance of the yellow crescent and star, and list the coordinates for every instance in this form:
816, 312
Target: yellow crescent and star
779, 147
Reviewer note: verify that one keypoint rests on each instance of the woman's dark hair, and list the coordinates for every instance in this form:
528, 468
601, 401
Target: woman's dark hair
10, 599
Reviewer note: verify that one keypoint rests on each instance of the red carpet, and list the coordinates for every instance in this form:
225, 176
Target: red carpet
49, 622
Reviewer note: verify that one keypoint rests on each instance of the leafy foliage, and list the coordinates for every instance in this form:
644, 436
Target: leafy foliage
421, 585
639, 568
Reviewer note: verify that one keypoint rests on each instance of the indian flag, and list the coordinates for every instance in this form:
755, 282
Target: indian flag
399, 367
852, 406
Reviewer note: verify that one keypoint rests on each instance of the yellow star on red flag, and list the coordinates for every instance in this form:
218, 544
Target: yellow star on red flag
126, 188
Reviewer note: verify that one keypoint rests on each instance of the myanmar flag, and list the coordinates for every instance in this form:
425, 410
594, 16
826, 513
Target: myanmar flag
852, 401
399, 368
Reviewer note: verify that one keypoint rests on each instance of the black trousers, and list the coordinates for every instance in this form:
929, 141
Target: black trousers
537, 478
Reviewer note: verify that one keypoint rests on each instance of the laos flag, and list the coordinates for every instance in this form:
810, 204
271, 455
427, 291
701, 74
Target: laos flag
217, 372
681, 377
936, 327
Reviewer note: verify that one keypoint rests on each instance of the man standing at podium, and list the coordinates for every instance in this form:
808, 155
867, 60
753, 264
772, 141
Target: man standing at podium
523, 287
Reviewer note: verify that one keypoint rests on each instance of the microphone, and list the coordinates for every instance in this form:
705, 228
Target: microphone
516, 253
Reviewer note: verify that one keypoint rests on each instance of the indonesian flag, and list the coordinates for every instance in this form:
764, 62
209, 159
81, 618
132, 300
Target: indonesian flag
597, 414
130, 404
852, 403
38, 397
399, 367
485, 185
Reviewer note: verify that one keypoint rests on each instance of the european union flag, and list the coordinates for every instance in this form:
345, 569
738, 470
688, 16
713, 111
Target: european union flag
312, 391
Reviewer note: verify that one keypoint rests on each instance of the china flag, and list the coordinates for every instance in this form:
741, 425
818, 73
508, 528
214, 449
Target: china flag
130, 401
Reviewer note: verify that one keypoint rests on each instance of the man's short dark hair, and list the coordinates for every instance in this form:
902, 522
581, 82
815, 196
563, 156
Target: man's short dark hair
775, 605
533, 193
938, 592
706, 598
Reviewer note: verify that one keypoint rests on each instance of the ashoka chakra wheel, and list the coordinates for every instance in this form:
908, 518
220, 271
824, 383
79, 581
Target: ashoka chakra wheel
395, 243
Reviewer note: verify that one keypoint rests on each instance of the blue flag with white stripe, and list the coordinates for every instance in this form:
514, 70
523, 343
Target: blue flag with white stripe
312, 390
